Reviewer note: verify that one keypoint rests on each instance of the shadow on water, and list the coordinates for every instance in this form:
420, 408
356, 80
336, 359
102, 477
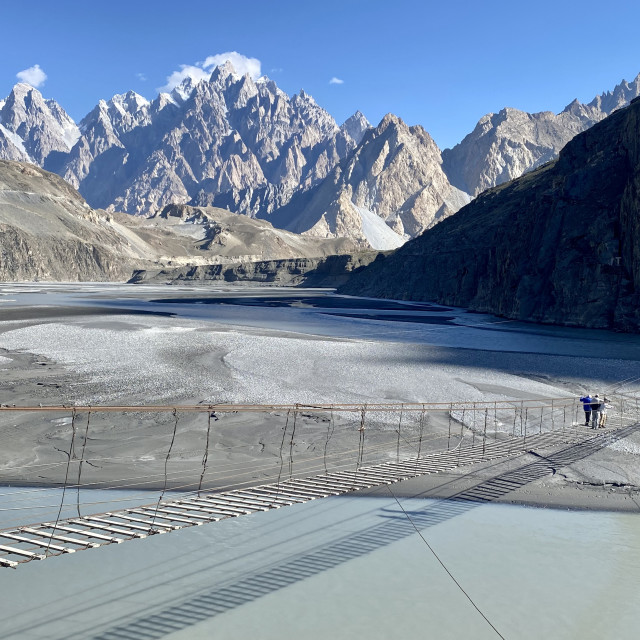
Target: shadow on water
387, 317
395, 526
315, 302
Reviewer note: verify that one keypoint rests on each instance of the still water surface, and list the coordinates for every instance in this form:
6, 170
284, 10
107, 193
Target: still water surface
346, 567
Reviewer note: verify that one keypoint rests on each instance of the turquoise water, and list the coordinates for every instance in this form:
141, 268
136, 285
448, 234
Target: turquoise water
348, 567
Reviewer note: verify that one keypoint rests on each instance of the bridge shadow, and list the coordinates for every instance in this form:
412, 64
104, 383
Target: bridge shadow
395, 527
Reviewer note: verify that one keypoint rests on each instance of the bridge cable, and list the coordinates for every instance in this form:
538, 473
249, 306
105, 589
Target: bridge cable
84, 445
284, 435
420, 438
330, 430
399, 430
442, 564
291, 442
359, 461
206, 450
66, 478
152, 529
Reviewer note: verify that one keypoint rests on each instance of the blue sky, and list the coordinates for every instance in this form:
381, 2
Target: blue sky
439, 64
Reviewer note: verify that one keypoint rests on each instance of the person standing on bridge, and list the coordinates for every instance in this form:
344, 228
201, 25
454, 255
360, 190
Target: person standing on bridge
586, 405
596, 405
603, 412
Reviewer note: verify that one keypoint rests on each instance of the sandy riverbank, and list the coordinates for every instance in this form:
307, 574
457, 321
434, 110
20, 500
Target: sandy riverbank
59, 354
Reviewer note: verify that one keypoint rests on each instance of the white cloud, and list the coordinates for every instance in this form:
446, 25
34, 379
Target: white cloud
202, 70
186, 71
335, 80
240, 63
141, 76
34, 76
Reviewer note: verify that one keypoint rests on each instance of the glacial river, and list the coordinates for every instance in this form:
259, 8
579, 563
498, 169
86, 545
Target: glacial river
345, 567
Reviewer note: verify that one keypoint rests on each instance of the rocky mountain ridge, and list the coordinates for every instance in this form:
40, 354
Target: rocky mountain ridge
49, 232
31, 128
506, 144
228, 133
560, 244
244, 145
390, 188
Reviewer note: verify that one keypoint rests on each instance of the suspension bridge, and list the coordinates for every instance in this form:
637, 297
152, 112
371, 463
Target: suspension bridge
378, 444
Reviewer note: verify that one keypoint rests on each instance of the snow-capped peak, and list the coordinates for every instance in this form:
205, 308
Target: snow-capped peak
131, 102
184, 90
223, 70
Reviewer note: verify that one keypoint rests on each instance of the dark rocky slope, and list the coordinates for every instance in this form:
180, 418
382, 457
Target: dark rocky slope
329, 271
558, 245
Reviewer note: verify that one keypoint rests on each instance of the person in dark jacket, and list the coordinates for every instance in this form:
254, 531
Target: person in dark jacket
586, 405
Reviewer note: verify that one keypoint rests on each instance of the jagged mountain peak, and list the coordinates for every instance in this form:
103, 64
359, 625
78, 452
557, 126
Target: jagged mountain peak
23, 89
223, 71
183, 91
161, 101
129, 101
390, 120
505, 145
355, 126
303, 97
620, 96
37, 126
389, 188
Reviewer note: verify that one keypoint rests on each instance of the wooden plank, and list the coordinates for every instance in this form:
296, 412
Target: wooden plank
319, 493
256, 505
178, 516
344, 485
267, 490
97, 523
381, 475
127, 516
207, 508
223, 508
56, 536
300, 493
127, 524
55, 547
371, 480
264, 499
22, 552
339, 486
90, 534
8, 563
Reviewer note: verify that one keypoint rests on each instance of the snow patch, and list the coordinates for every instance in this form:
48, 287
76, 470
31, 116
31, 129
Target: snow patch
378, 234
70, 133
16, 140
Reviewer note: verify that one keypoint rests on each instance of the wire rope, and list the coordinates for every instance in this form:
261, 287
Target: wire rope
442, 564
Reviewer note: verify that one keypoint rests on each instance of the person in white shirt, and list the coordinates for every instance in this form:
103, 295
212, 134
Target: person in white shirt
603, 413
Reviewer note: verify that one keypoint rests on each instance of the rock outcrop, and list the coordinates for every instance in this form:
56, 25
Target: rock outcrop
559, 245
331, 271
221, 236
505, 145
48, 232
390, 188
